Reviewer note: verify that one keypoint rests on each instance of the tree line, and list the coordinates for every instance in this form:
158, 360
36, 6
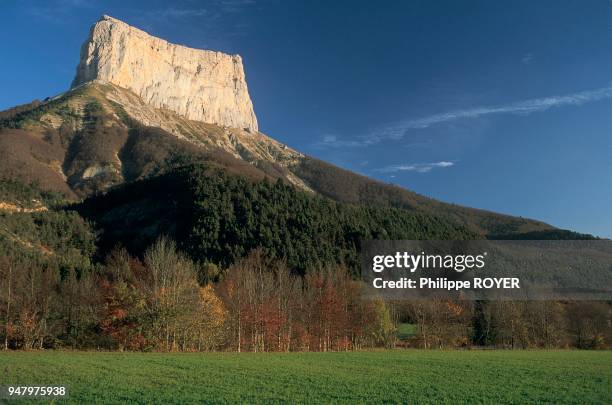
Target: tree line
166, 302
442, 323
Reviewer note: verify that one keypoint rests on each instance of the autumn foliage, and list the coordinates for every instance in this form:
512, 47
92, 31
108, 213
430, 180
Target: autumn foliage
165, 302
270, 309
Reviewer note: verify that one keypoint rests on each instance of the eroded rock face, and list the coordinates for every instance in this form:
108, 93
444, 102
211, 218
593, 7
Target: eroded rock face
200, 85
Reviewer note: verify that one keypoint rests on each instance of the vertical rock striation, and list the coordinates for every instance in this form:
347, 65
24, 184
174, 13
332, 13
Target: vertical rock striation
198, 84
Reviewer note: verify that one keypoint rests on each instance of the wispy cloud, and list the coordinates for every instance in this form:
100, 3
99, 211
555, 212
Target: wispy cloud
527, 58
217, 20
334, 141
173, 12
398, 130
56, 11
235, 5
415, 167
214, 9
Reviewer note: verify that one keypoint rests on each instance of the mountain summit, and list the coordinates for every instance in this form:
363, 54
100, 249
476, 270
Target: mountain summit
197, 84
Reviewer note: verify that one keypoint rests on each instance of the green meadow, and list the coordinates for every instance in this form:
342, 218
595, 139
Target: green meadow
414, 376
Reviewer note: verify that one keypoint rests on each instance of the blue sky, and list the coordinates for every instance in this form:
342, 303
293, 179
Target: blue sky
505, 106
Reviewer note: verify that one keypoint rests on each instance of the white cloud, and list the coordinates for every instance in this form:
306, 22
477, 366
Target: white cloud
415, 167
398, 130
527, 58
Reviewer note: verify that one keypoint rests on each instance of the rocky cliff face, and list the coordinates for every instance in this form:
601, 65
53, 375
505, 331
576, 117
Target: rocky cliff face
197, 84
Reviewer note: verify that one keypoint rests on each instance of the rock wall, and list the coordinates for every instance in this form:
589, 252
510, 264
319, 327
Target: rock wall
198, 84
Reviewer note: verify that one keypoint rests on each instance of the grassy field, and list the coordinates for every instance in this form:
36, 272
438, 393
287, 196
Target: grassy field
406, 330
385, 376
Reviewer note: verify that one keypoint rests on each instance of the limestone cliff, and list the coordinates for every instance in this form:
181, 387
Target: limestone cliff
197, 84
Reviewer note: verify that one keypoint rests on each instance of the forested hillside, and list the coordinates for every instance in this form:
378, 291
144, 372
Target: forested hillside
346, 186
257, 266
35, 229
217, 217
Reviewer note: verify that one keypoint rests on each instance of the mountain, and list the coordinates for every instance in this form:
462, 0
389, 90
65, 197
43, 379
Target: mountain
140, 107
200, 85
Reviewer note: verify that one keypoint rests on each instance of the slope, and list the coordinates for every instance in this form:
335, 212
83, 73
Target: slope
99, 135
219, 217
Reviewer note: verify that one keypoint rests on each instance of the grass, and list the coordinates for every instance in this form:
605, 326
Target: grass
378, 376
406, 330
